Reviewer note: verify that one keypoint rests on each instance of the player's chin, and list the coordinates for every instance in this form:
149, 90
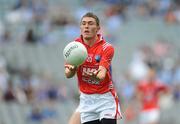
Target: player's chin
87, 37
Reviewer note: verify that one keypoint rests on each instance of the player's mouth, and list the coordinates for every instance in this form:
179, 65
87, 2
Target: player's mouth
86, 32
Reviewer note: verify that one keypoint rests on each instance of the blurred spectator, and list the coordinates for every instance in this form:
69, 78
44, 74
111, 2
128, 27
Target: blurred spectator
20, 95
9, 94
176, 81
51, 36
165, 74
114, 1
28, 83
115, 15
52, 93
44, 113
4, 77
126, 92
71, 29
22, 3
35, 114
177, 14
163, 6
50, 113
30, 36
170, 17
2, 32
161, 48
84, 8
6, 37
127, 88
40, 10
21, 15
173, 14
63, 93
138, 67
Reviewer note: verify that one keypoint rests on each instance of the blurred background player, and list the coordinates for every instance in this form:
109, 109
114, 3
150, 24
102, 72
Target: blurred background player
148, 94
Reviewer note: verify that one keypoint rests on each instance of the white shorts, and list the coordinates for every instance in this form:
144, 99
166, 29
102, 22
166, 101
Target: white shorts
98, 106
149, 116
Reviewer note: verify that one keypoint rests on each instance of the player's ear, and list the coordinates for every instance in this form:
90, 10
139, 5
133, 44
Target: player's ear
98, 28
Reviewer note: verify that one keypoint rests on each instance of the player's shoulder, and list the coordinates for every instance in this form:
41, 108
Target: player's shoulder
107, 46
142, 83
78, 39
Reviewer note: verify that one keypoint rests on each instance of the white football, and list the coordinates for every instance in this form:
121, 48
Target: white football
75, 53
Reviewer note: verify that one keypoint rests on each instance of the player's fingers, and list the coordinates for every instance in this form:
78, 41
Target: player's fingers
70, 67
89, 74
66, 66
96, 72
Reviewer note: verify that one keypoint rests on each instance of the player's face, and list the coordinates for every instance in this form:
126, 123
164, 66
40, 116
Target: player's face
89, 28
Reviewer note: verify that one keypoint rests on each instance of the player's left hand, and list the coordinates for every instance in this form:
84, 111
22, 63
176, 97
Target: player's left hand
92, 75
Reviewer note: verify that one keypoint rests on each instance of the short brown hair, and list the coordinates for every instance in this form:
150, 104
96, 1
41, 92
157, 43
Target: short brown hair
92, 15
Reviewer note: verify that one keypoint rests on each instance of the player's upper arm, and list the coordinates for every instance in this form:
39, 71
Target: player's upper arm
107, 56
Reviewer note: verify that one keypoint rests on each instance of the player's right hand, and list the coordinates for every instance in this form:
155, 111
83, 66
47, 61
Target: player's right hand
70, 67
70, 70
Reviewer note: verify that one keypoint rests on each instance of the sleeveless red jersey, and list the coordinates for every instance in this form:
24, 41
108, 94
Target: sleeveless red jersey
100, 54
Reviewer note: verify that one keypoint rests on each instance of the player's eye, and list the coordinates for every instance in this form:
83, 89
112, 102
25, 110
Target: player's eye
91, 23
88, 23
83, 23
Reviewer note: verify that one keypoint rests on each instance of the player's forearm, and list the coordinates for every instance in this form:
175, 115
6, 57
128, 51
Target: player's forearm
100, 74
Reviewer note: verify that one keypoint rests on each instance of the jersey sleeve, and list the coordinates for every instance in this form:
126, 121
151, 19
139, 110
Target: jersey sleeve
162, 87
107, 56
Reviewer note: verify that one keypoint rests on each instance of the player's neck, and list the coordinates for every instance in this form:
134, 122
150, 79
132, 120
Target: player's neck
91, 42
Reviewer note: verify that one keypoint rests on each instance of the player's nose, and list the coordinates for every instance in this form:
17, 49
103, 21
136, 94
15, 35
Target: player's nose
86, 25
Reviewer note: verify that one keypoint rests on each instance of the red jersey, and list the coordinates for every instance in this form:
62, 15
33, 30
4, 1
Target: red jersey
150, 93
100, 54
